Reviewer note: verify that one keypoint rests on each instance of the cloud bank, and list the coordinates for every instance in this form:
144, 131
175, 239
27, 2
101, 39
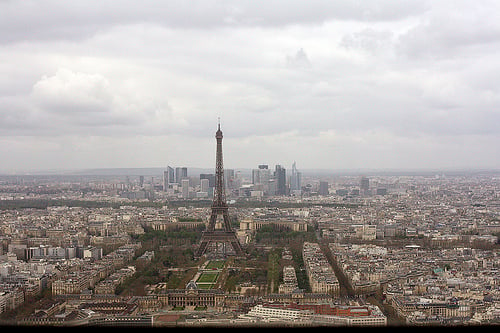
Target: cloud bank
329, 84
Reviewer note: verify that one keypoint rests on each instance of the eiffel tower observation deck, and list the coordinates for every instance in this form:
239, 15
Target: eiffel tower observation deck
219, 241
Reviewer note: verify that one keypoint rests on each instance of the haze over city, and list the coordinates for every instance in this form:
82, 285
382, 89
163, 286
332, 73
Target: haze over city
239, 163
328, 84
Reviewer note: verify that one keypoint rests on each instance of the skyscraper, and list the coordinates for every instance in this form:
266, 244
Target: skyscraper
323, 188
210, 177
171, 175
185, 188
295, 179
165, 181
204, 185
168, 177
180, 174
261, 175
364, 185
230, 179
280, 177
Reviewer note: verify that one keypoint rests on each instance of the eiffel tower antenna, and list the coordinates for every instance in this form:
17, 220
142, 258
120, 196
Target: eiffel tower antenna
226, 235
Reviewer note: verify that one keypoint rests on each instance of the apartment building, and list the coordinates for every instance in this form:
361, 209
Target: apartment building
322, 278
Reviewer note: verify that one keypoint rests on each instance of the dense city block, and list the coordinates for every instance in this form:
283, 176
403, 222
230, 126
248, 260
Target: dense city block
320, 249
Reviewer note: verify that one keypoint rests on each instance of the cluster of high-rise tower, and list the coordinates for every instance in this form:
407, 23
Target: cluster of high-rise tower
276, 183
264, 182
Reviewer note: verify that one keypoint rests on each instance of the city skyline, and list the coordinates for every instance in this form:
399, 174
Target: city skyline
330, 85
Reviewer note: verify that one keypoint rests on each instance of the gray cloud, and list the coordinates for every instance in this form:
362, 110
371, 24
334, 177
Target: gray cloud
337, 84
454, 30
369, 40
56, 19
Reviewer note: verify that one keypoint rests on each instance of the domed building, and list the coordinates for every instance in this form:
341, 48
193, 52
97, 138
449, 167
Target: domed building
192, 296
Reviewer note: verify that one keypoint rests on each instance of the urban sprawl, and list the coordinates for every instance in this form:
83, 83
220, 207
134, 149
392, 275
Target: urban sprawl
320, 249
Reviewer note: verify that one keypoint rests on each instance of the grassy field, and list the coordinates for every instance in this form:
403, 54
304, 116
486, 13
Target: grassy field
218, 264
207, 280
207, 277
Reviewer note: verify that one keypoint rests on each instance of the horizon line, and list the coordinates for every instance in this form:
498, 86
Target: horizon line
93, 170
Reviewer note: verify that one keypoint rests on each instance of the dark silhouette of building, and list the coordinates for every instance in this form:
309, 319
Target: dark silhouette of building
210, 177
280, 177
323, 188
364, 185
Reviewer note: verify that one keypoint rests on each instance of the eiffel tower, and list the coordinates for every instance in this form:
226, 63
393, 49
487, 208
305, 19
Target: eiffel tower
219, 238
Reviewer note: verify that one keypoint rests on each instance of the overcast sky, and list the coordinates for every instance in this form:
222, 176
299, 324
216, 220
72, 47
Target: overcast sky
329, 84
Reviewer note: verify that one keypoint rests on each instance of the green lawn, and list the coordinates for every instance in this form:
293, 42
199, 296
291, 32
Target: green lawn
207, 278
218, 264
